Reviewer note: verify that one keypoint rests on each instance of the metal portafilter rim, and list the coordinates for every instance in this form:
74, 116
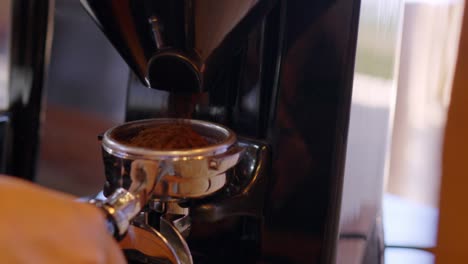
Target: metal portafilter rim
223, 137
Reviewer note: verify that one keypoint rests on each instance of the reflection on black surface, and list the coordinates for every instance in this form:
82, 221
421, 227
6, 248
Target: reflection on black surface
312, 119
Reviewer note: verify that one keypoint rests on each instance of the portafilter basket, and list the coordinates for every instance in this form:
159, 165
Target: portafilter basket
169, 174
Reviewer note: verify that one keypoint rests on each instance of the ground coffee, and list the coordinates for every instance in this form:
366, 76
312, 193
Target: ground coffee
173, 136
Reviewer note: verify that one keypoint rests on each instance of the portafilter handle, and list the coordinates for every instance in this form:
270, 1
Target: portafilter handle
120, 208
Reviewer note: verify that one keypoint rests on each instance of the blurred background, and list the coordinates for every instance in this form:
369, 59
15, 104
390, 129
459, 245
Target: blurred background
5, 18
85, 96
405, 63
404, 69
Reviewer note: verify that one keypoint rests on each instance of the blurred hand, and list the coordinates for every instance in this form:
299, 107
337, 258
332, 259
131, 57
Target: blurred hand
38, 225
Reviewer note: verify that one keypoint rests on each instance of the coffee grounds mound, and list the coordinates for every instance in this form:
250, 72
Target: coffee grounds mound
173, 136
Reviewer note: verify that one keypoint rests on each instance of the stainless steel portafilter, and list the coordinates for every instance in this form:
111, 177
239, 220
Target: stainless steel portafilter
135, 174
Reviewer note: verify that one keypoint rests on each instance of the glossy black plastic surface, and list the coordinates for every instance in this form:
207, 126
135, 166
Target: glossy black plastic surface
5, 135
310, 130
28, 61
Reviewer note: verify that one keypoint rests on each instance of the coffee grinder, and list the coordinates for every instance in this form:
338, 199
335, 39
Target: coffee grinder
269, 83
